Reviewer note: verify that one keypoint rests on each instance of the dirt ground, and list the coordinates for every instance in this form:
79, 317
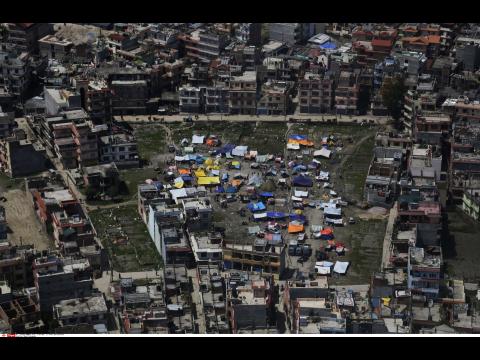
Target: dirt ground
22, 222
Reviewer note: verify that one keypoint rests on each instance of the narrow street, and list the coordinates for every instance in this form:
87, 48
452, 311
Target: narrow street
197, 300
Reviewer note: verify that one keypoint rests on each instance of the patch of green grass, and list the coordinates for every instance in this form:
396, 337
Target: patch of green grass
7, 183
151, 140
134, 177
139, 253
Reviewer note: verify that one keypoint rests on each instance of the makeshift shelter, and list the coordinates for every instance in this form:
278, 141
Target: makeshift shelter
208, 180
326, 234
293, 146
323, 153
184, 171
259, 206
219, 189
276, 215
260, 216
303, 181
341, 267
236, 165
198, 139
261, 158
301, 194
200, 173
236, 182
298, 218
255, 180
231, 190
189, 149
294, 228
266, 194
178, 183
239, 151
252, 230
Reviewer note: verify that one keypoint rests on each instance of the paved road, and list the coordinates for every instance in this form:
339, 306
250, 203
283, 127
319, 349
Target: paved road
381, 120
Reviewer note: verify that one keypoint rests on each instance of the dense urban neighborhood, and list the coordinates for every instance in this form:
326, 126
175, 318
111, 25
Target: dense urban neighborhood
239, 178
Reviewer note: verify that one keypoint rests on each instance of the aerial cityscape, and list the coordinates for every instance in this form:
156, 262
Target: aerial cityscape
239, 178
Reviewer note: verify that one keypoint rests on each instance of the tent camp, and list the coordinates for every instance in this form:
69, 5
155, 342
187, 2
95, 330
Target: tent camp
291, 146
323, 153
303, 181
301, 194
260, 216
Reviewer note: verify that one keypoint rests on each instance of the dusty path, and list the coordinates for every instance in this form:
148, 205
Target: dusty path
21, 219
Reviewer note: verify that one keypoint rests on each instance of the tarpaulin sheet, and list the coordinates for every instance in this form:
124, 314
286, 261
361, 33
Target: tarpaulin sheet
302, 181
208, 180
256, 207
341, 267
297, 137
215, 173
299, 193
266, 194
187, 178
231, 190
198, 139
295, 217
294, 228
322, 270
236, 182
276, 215
292, 147
323, 152
184, 171
219, 189
239, 150
200, 173
260, 216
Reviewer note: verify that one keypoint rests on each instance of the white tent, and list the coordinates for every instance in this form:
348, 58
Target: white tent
239, 150
341, 267
198, 139
291, 146
301, 194
323, 152
178, 193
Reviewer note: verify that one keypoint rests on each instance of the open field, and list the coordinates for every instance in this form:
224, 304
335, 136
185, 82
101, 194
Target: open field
138, 253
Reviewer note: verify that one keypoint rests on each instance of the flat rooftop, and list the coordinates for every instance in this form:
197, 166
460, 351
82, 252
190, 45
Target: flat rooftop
81, 306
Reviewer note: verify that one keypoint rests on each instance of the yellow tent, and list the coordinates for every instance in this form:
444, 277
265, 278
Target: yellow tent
298, 212
178, 185
200, 173
213, 167
208, 180
209, 161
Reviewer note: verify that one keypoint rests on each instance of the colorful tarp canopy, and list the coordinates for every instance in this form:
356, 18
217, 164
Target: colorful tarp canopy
276, 215
266, 194
184, 171
200, 173
208, 180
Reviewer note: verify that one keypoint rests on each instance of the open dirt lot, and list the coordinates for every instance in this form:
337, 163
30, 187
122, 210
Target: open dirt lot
22, 222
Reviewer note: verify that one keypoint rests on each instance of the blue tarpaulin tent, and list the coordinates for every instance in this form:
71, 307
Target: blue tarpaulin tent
219, 189
302, 181
256, 207
266, 194
276, 215
295, 217
297, 137
231, 189
187, 178
328, 45
299, 168
225, 177
158, 185
227, 148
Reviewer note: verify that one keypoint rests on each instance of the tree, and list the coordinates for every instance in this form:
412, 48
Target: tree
393, 92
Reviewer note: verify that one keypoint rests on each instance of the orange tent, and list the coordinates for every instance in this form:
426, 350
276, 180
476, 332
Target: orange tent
327, 231
211, 142
184, 171
292, 228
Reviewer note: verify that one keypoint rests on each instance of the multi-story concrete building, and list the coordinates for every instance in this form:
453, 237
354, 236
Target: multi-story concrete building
316, 93
57, 100
432, 129
424, 273
89, 310
275, 99
16, 264
346, 94
54, 48
58, 279
216, 99
16, 72
243, 94
192, 99
21, 157
120, 149
210, 45
129, 97
25, 36
7, 123
290, 33
471, 203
